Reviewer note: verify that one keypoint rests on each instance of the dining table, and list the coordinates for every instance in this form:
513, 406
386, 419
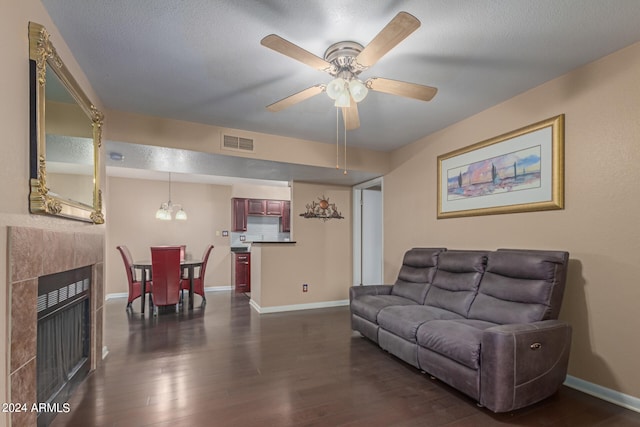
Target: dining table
187, 266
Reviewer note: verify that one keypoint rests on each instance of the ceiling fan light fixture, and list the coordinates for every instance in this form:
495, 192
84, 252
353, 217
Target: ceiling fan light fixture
344, 61
336, 87
343, 100
358, 90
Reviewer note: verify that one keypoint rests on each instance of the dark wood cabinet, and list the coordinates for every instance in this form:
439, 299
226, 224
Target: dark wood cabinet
285, 224
240, 210
257, 207
273, 207
242, 271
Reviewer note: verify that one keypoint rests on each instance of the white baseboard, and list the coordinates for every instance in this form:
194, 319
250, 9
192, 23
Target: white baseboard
209, 289
218, 288
295, 307
116, 296
626, 401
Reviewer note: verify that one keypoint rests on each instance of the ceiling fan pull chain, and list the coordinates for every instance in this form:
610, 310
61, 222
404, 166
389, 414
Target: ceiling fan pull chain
345, 146
337, 139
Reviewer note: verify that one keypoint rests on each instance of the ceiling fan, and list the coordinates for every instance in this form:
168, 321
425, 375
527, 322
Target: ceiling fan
345, 61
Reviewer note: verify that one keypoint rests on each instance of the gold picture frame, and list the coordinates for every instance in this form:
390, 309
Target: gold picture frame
520, 171
48, 74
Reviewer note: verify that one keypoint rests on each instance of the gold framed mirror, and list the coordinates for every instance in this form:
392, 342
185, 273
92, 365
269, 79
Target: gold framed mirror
65, 138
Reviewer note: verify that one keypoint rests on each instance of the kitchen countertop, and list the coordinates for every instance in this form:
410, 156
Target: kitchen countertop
274, 241
247, 247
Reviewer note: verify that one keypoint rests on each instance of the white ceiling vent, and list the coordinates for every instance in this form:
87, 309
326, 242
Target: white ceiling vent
230, 142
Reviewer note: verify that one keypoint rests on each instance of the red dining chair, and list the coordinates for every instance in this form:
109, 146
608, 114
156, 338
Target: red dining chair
135, 286
198, 282
165, 270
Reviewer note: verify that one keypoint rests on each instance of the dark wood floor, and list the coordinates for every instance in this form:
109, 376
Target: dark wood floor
228, 366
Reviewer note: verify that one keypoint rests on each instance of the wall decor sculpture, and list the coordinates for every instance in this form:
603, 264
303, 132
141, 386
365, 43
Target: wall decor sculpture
322, 209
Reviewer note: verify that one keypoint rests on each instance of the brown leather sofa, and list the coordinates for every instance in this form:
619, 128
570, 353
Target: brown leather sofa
484, 322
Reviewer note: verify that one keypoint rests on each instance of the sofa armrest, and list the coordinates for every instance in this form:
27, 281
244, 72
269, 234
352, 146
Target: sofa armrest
523, 363
357, 291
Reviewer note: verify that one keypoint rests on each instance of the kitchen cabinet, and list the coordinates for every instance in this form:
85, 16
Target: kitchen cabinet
242, 272
239, 214
273, 207
260, 207
285, 224
257, 207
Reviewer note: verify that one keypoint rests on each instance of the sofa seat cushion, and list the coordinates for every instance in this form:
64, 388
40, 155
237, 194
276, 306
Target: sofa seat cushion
405, 321
459, 340
368, 306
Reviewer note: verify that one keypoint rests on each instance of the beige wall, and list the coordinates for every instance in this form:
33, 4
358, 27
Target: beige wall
139, 129
132, 204
14, 123
321, 256
598, 227
247, 191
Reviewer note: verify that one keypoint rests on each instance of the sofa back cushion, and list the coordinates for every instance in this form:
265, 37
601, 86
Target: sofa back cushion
456, 281
521, 286
418, 267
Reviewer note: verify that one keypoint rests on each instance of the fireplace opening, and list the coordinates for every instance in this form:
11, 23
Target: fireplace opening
63, 341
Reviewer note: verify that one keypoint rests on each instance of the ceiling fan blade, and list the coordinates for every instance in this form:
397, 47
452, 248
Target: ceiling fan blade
285, 47
396, 87
350, 116
295, 98
399, 28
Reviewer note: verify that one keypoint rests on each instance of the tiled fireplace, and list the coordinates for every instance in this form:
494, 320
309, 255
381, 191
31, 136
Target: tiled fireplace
34, 253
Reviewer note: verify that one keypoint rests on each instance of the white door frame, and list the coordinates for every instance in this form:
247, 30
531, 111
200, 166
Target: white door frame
357, 228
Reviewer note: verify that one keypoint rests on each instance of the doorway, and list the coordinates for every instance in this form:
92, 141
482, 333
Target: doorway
368, 233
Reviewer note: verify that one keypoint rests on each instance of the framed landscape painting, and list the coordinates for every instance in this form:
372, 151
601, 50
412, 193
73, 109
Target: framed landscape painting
520, 171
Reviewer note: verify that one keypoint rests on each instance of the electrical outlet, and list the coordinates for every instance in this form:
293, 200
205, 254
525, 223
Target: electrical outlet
305, 288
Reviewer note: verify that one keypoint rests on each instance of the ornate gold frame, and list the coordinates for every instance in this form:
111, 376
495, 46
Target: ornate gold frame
553, 175
42, 53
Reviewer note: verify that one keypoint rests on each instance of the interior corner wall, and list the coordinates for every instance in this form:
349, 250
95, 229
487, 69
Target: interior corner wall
601, 103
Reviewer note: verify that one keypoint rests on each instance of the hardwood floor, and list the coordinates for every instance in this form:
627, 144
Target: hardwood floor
228, 366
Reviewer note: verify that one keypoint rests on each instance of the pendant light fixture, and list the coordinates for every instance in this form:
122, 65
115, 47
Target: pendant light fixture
165, 211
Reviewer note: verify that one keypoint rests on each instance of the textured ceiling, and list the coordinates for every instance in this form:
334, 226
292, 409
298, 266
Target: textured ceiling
201, 60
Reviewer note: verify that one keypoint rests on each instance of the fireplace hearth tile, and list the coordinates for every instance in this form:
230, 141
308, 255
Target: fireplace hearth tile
58, 254
24, 319
89, 249
98, 284
23, 390
97, 349
26, 250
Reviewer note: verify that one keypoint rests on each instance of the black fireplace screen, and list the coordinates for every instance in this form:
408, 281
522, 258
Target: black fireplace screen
63, 334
